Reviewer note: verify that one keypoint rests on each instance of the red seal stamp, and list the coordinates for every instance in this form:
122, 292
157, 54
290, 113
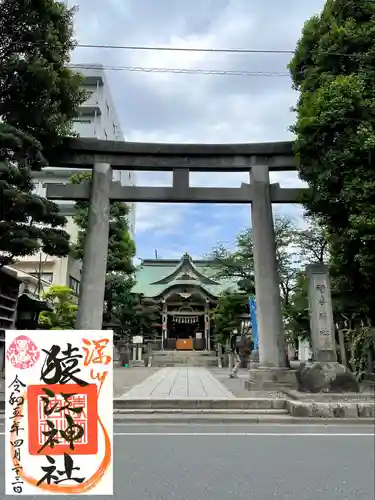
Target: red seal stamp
22, 353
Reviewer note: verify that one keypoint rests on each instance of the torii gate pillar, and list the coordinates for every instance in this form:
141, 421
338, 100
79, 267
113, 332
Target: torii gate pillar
91, 297
272, 369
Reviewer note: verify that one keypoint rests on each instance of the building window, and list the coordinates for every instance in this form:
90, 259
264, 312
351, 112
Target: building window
82, 120
74, 285
48, 277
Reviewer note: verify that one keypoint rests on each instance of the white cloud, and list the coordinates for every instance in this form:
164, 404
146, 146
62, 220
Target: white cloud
165, 218
156, 107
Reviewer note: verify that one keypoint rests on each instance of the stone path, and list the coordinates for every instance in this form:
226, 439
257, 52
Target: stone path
180, 383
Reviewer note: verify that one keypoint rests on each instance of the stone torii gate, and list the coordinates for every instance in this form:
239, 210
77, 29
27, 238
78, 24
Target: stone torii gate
257, 159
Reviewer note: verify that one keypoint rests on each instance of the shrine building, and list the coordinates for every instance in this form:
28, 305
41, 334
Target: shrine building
187, 291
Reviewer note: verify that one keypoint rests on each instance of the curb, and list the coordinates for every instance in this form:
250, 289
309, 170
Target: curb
334, 409
181, 417
200, 404
181, 411
166, 419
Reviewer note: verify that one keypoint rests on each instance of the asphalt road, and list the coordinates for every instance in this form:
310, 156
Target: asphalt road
244, 462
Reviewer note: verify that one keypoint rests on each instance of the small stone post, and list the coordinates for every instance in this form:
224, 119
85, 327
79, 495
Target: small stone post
341, 336
164, 329
207, 326
91, 298
220, 355
320, 310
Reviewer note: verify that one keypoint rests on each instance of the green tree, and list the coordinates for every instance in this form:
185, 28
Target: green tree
121, 247
39, 96
121, 251
63, 316
311, 247
119, 304
238, 264
147, 317
228, 315
312, 242
28, 223
296, 312
333, 69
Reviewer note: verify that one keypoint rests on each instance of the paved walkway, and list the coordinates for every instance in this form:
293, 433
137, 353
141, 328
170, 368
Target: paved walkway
180, 383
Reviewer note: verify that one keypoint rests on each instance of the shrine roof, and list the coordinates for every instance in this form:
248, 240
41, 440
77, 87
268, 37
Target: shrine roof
155, 276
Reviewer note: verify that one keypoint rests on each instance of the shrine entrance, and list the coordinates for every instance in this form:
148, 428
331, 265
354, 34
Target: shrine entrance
185, 328
181, 159
187, 292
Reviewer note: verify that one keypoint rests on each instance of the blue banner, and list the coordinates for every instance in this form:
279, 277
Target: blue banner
254, 324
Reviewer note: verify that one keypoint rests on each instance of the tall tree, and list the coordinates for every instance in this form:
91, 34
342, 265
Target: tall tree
333, 68
28, 223
312, 242
238, 264
294, 248
39, 96
147, 317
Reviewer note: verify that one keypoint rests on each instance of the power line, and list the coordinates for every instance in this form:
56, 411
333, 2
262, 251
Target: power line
207, 50
181, 70
150, 48
184, 49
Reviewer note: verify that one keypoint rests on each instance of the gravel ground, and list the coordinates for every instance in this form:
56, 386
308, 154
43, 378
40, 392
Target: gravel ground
237, 385
126, 378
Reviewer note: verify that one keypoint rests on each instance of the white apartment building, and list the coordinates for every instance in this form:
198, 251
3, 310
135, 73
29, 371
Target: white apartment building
97, 118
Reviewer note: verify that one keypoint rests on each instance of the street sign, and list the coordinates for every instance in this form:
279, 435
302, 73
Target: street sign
58, 412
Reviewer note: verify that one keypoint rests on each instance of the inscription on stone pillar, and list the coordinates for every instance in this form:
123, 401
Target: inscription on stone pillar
320, 310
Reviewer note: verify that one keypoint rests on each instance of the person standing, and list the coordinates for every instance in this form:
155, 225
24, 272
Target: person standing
235, 356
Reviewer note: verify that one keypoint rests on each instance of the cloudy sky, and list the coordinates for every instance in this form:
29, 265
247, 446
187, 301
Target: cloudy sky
156, 107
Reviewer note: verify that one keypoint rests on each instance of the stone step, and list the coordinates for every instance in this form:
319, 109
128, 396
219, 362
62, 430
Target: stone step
124, 403
171, 354
205, 363
203, 359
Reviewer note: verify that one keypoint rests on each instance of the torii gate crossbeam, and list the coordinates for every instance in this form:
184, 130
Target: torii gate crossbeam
257, 159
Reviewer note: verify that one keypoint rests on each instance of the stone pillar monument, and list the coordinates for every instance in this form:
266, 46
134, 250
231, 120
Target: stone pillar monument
91, 298
322, 327
272, 369
324, 374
